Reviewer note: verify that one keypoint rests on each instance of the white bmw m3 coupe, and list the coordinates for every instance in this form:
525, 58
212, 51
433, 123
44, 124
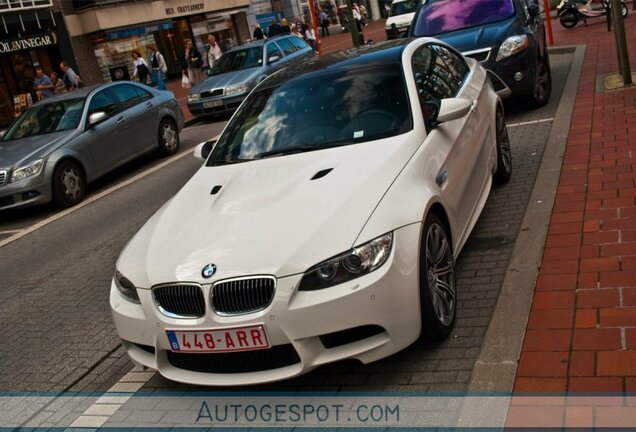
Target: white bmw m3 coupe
324, 224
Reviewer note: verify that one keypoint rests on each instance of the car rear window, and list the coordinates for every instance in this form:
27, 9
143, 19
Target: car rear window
442, 16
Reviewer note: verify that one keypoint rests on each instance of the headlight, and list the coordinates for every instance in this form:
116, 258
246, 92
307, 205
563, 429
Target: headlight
511, 46
236, 89
126, 287
194, 97
26, 171
349, 265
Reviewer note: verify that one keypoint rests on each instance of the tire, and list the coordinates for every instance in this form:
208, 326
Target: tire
504, 154
168, 137
569, 19
542, 82
438, 295
69, 184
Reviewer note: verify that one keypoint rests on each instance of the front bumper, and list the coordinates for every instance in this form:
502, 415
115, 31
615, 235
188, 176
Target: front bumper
505, 69
215, 105
31, 191
387, 297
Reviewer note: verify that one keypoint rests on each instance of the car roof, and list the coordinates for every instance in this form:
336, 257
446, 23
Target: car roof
370, 55
82, 92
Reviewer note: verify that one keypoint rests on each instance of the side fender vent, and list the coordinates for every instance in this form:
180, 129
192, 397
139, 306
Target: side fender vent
215, 190
320, 174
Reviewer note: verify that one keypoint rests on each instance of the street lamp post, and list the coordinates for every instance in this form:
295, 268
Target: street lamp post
353, 26
621, 42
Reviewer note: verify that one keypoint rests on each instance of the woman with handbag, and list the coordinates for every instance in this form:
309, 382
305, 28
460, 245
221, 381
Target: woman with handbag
141, 67
194, 61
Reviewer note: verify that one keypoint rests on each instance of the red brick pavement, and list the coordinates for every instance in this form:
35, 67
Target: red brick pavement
581, 335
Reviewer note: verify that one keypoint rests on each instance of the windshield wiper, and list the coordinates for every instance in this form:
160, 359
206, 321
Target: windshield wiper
226, 162
298, 149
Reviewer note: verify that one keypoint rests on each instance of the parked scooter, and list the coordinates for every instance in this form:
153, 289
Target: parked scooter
570, 12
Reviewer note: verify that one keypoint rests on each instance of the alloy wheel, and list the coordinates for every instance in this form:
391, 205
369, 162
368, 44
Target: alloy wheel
503, 140
440, 272
169, 136
71, 182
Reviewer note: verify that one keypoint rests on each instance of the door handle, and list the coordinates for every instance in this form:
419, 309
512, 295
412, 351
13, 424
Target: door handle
121, 120
149, 104
473, 106
441, 177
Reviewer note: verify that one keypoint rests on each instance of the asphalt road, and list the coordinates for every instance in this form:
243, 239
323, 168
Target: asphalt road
54, 282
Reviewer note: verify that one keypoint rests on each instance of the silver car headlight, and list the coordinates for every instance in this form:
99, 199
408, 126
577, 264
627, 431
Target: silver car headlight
236, 89
352, 264
126, 287
27, 171
194, 97
512, 45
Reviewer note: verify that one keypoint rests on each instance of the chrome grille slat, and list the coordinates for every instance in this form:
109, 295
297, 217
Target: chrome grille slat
180, 300
242, 295
3, 177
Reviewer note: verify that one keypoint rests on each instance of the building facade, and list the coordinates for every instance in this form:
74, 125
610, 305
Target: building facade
103, 33
32, 34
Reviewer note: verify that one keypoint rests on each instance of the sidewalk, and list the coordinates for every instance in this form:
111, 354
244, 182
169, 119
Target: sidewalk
374, 31
581, 333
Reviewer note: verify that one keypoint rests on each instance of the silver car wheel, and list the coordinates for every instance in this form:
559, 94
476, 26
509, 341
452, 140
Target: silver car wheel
71, 180
169, 136
504, 142
440, 272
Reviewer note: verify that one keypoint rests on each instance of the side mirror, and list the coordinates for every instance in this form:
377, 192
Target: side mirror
452, 109
273, 59
203, 150
97, 117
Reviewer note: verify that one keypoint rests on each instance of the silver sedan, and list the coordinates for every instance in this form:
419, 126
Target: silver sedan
59, 145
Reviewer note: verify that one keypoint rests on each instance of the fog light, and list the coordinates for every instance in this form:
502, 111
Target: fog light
518, 76
29, 195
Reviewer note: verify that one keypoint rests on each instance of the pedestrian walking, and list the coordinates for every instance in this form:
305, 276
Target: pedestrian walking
214, 53
310, 36
296, 30
58, 84
141, 70
158, 67
274, 28
42, 84
194, 62
258, 32
284, 27
71, 79
324, 23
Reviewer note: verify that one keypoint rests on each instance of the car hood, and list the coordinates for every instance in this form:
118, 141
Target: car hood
474, 38
400, 20
14, 152
269, 217
226, 79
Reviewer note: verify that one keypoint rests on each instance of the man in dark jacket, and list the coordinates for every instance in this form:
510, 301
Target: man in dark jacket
274, 28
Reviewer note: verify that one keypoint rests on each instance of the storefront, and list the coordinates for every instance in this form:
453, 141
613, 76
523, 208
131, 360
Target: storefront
28, 40
113, 48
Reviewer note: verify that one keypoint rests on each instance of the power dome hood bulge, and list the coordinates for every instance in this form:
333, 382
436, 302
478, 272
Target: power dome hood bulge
268, 217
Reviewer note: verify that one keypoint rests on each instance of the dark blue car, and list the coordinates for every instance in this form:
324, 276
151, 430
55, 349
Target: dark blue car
506, 36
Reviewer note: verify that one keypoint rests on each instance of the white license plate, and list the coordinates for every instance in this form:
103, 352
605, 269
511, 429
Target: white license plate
232, 339
212, 104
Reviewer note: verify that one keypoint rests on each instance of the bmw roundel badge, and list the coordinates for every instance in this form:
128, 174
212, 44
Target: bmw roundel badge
208, 271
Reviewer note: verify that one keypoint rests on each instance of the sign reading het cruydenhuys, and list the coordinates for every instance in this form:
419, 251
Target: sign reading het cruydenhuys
25, 43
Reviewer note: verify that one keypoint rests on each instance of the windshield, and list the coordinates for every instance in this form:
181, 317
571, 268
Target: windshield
314, 112
443, 16
47, 118
239, 59
400, 8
